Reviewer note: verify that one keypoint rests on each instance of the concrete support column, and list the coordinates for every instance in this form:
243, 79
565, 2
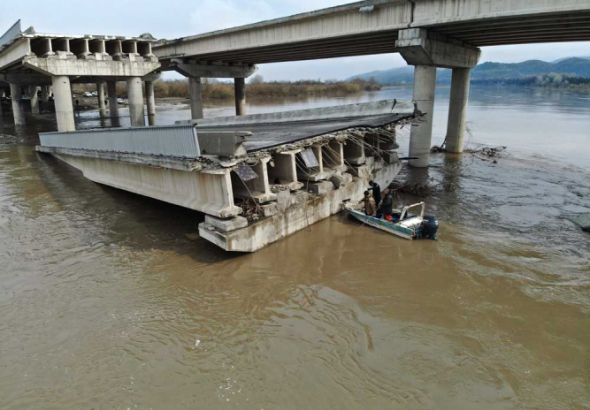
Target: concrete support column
240, 89
196, 92
113, 105
458, 109
135, 95
151, 102
102, 107
64, 107
45, 94
34, 95
17, 107
421, 134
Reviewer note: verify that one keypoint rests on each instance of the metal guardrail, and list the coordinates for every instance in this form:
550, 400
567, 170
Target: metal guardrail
12, 32
174, 141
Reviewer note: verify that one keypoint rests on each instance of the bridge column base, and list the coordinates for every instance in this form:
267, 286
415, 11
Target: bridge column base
458, 109
17, 107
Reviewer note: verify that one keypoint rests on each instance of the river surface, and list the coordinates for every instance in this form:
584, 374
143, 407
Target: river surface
112, 301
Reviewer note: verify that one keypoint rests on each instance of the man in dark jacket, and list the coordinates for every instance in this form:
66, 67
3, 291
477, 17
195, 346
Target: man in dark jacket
376, 190
387, 205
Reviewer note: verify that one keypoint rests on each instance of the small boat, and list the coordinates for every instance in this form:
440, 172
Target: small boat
408, 222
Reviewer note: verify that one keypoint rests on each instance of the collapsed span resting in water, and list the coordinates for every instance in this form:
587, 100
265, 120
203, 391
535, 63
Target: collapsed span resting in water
258, 178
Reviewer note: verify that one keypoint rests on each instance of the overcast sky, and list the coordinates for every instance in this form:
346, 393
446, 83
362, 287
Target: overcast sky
177, 18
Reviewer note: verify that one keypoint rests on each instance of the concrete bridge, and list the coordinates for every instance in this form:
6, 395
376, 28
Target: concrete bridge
427, 33
30, 61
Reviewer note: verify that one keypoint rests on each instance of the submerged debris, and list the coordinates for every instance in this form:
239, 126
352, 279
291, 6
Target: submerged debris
251, 210
419, 189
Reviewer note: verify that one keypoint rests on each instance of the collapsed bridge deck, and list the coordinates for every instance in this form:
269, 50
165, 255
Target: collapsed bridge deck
257, 178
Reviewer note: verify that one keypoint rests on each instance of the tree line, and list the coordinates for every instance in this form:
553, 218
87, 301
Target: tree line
255, 88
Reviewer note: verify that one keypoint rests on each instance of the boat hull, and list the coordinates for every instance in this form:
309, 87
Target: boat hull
383, 225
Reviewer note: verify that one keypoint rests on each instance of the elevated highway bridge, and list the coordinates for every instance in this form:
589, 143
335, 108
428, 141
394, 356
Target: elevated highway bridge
427, 33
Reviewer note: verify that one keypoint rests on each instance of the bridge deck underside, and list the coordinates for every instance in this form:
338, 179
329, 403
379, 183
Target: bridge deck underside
538, 28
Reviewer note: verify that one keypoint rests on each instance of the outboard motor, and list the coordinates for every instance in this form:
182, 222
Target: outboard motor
429, 227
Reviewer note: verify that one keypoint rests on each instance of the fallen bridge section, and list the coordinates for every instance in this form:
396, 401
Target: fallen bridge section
258, 179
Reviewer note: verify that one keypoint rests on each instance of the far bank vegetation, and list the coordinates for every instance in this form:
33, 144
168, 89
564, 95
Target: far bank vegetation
255, 88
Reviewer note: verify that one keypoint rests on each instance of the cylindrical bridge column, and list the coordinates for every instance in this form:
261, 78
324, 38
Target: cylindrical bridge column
17, 107
45, 95
34, 95
151, 102
135, 95
421, 135
240, 89
458, 109
196, 92
102, 107
113, 104
64, 108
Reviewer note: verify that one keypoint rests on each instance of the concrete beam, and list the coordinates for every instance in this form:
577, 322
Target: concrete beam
196, 69
91, 68
15, 53
418, 47
25, 78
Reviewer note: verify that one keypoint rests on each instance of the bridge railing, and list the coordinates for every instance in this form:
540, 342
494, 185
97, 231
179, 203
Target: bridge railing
12, 32
174, 141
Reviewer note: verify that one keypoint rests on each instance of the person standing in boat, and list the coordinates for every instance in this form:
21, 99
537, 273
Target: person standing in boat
376, 189
387, 205
368, 204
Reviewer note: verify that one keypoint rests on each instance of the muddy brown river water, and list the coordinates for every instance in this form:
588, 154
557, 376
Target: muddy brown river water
111, 301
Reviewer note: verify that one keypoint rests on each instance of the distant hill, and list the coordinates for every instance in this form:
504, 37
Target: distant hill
486, 72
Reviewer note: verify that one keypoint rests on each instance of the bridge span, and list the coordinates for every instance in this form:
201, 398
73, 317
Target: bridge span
427, 33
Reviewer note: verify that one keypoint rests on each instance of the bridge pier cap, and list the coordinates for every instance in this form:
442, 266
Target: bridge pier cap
420, 47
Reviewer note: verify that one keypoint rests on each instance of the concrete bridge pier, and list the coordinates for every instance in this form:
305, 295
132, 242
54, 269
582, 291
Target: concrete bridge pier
196, 70
240, 91
45, 94
102, 107
196, 93
64, 106
113, 104
458, 109
150, 102
34, 95
135, 96
17, 107
421, 134
427, 51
